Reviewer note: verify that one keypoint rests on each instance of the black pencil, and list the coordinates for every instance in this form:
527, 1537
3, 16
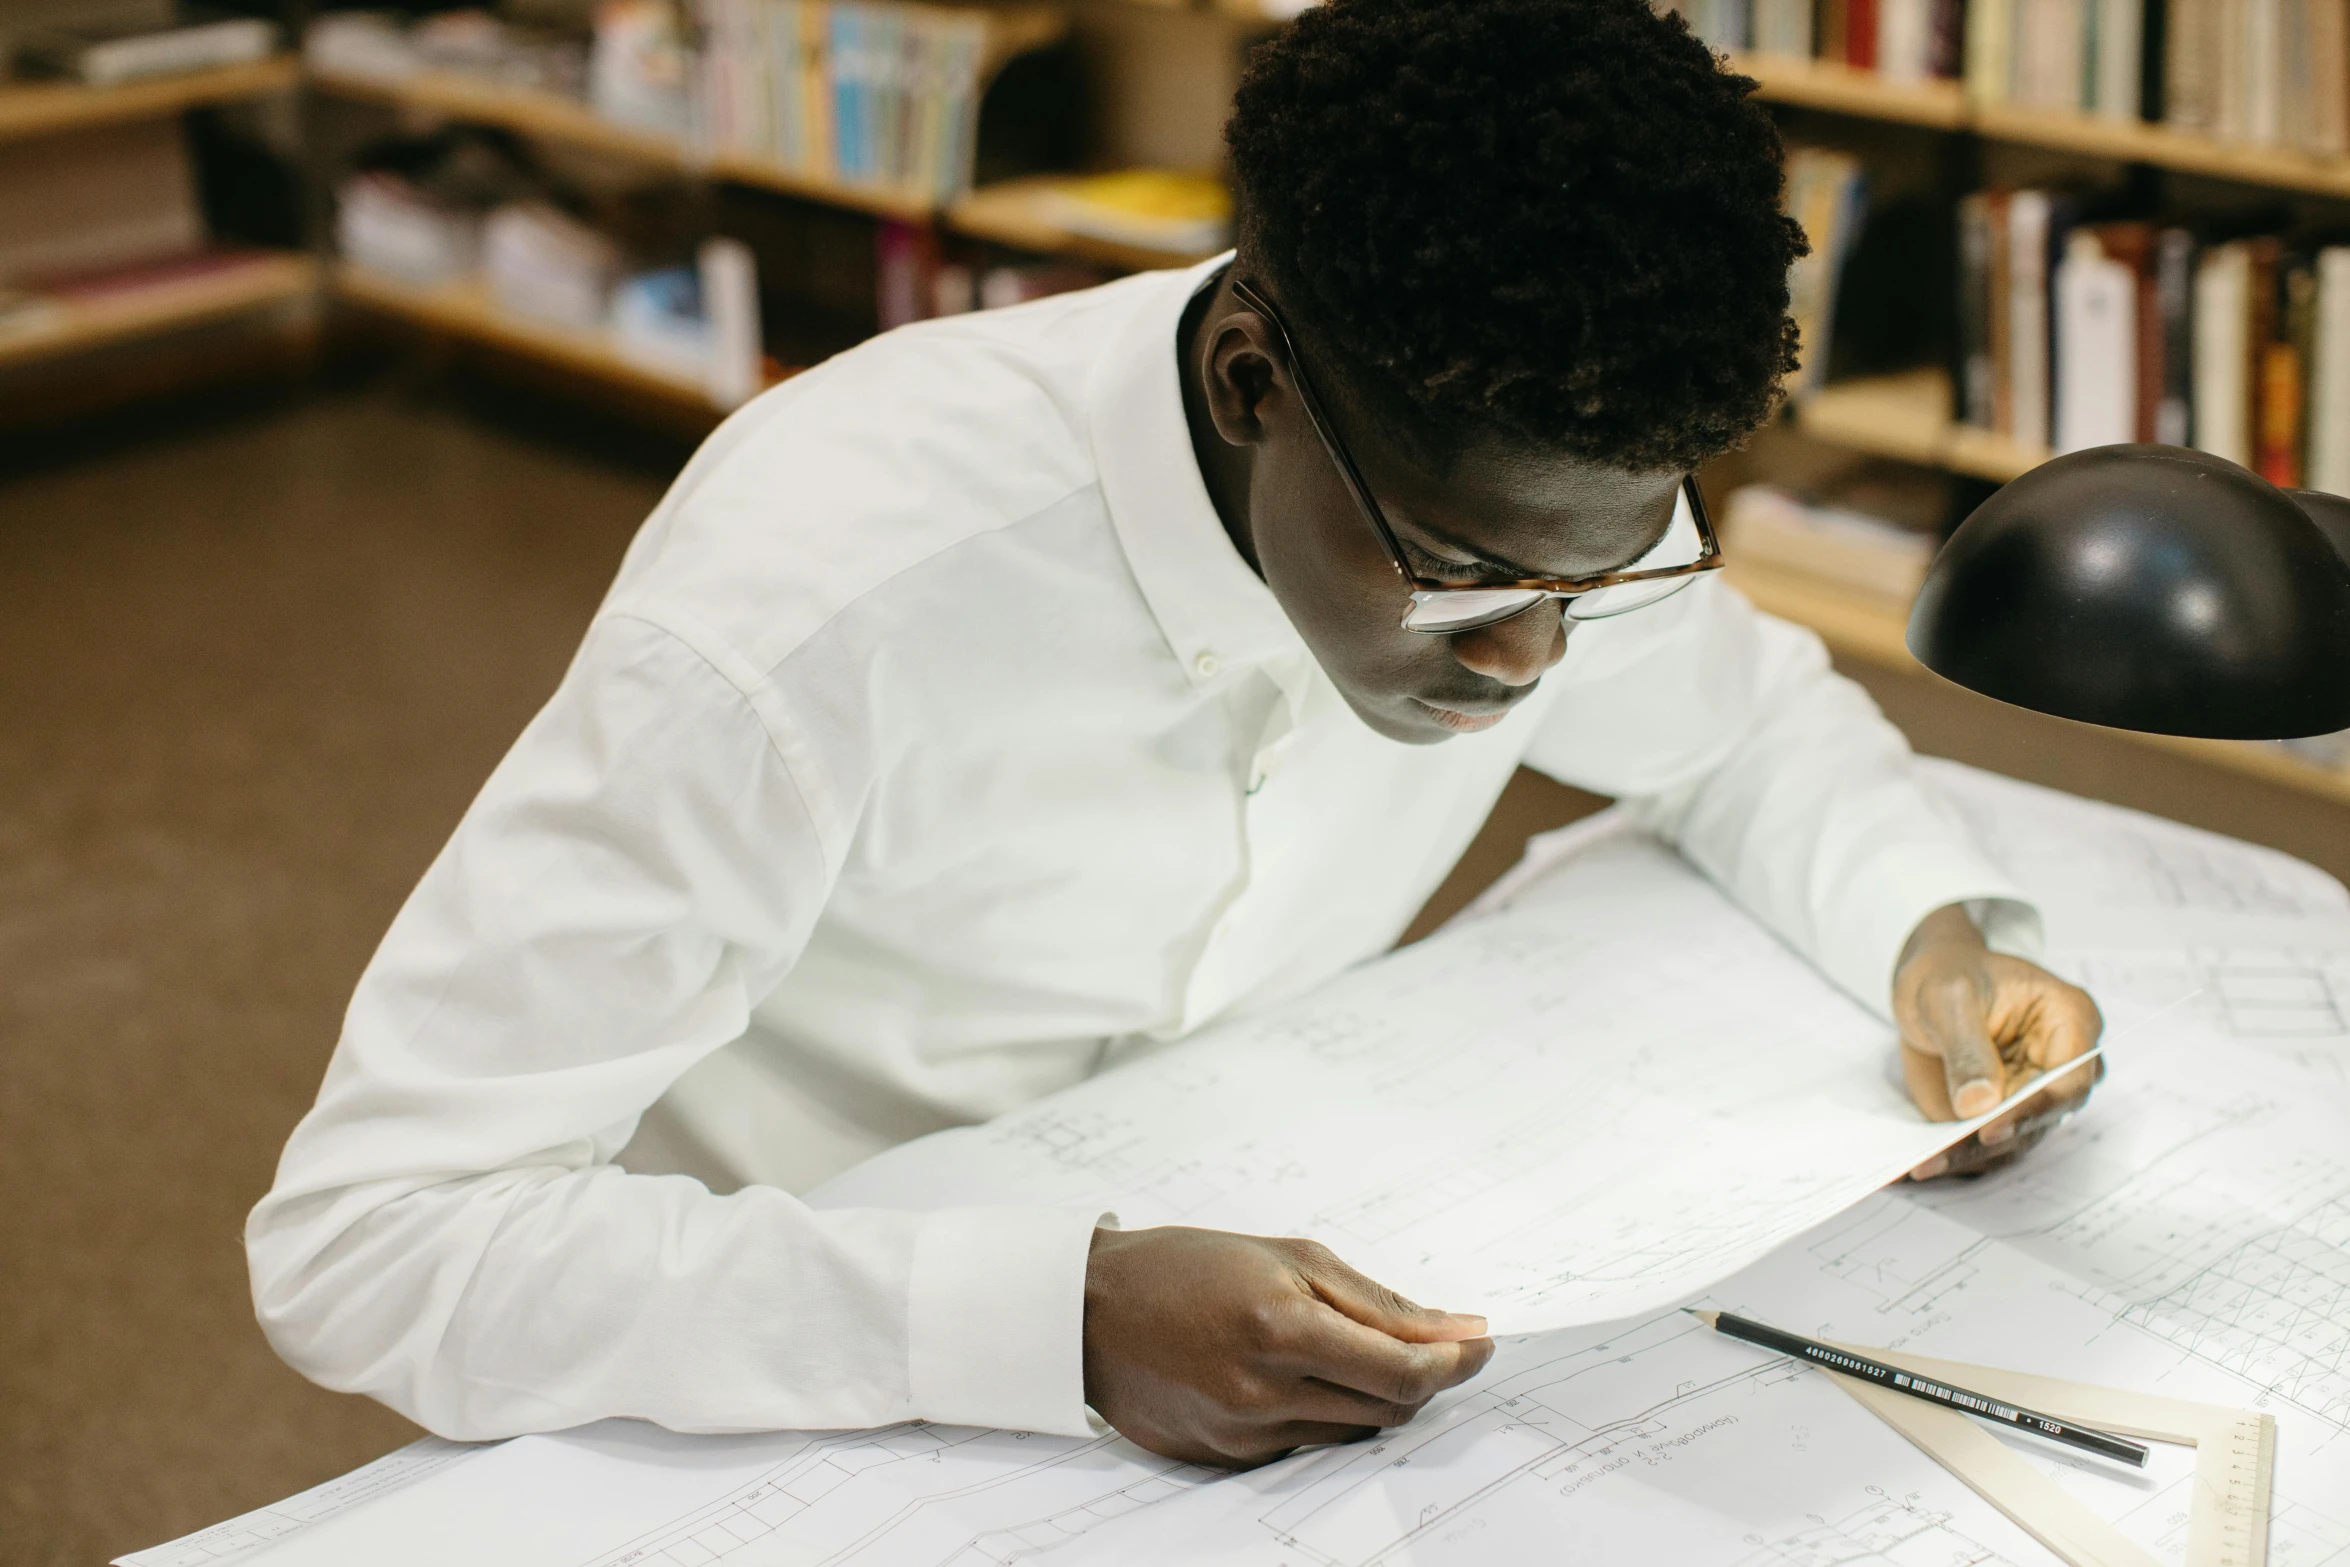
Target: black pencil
2103, 1443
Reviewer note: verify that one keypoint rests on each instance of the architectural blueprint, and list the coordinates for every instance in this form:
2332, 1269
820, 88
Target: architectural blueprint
2188, 1234
1613, 1092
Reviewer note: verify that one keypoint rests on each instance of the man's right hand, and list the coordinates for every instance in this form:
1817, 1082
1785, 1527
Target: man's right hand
1233, 1349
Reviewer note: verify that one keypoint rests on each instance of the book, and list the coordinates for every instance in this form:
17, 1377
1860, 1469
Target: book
106, 196
2032, 234
2096, 325
1837, 544
1990, 50
108, 57
1975, 369
2284, 359
2174, 284
2223, 353
2190, 88
2329, 377
1826, 192
2115, 64
2328, 26
1157, 208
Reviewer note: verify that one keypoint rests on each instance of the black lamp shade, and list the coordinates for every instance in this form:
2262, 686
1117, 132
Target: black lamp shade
2150, 588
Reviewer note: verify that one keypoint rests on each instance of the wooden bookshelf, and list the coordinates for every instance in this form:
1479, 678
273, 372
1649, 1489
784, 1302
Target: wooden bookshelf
1016, 213
46, 108
465, 309
1873, 630
1908, 416
71, 327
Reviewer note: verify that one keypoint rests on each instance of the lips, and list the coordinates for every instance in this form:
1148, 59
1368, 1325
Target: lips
1460, 722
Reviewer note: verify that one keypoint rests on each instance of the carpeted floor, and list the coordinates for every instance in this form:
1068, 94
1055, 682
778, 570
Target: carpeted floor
252, 667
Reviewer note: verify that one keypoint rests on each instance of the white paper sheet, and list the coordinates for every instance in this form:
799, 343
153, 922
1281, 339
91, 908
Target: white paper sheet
1586, 1104
2189, 1235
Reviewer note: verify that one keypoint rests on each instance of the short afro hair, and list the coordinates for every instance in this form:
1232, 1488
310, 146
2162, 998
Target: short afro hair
1552, 222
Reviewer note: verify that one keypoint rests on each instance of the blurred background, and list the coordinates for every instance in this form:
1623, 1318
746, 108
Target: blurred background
341, 351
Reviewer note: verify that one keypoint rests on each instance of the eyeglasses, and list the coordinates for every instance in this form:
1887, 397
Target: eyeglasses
1440, 608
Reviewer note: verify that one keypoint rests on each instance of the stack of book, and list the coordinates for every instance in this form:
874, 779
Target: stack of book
2076, 334
1904, 40
1827, 193
2269, 72
863, 91
2275, 72
2084, 56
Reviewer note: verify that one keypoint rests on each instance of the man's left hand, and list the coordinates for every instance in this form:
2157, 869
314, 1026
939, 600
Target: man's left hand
1976, 1025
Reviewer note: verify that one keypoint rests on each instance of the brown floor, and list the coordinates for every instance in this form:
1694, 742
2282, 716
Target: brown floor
251, 669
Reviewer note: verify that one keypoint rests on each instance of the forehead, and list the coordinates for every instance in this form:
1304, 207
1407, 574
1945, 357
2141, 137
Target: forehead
1554, 514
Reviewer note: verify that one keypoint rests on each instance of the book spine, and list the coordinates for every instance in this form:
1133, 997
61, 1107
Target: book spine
1860, 34
2264, 83
2223, 353
1976, 405
2190, 61
1990, 62
2174, 288
2120, 57
2097, 333
2329, 390
2329, 77
2029, 239
2001, 210
2283, 366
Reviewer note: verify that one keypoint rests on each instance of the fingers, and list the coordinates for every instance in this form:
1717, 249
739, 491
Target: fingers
1374, 1305
1955, 1025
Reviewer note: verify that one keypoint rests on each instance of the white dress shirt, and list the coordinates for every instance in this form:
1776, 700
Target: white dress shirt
933, 739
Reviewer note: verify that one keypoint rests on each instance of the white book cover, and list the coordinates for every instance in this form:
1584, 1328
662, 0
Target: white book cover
2027, 315
1905, 39
2264, 70
2096, 347
1990, 50
2223, 314
2121, 39
2329, 380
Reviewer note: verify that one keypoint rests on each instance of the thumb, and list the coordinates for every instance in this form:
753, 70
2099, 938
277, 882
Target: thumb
1374, 1305
1953, 1023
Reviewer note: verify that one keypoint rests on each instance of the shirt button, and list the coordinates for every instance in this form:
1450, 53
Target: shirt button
1205, 666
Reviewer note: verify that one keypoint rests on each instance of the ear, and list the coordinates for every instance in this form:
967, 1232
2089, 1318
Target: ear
1245, 376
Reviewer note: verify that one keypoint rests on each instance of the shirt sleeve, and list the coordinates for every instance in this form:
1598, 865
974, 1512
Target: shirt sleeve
447, 1232
1725, 731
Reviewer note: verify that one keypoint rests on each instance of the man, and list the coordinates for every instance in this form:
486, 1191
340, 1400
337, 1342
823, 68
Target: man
1024, 683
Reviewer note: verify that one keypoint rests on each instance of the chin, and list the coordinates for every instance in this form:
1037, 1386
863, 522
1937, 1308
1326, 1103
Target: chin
1400, 719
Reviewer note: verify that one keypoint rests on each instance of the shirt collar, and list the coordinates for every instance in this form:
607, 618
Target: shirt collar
1216, 614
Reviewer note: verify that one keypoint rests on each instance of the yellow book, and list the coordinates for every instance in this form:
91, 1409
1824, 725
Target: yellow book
1156, 208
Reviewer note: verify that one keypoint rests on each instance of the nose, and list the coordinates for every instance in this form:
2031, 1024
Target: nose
1518, 650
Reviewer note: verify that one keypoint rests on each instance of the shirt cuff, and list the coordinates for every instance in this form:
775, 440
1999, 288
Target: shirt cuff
996, 1319
1866, 930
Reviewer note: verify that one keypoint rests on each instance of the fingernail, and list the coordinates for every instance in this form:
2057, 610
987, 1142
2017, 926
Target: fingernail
1996, 1133
1938, 1165
1467, 1320
1972, 1099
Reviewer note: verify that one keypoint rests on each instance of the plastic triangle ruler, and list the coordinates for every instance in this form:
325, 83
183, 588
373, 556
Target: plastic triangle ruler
2235, 1458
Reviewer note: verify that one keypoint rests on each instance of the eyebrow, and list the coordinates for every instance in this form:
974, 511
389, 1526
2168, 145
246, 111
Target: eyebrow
1478, 556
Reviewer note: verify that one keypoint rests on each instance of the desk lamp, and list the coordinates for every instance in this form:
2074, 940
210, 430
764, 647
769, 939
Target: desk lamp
2150, 588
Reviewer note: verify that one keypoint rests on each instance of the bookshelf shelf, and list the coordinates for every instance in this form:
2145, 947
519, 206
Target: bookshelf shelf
554, 118
45, 108
1872, 630
266, 280
1907, 416
466, 310
2136, 142
1014, 213
1822, 84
